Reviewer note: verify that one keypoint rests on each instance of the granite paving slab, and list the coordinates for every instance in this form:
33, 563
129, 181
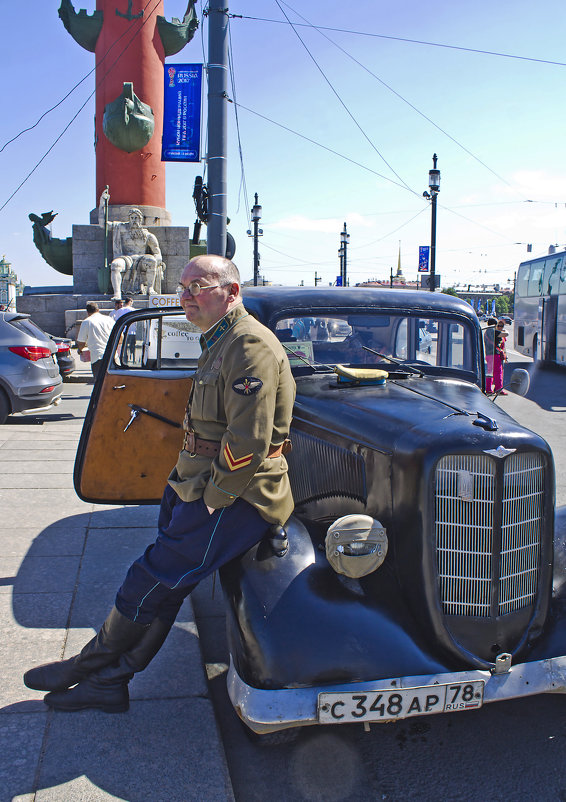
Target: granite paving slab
21, 736
150, 754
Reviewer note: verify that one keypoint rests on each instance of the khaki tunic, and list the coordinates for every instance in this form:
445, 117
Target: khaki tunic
243, 395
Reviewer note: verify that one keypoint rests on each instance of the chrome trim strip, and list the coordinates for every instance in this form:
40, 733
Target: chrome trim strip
266, 711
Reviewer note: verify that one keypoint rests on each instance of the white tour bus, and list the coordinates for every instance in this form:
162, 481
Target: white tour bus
540, 308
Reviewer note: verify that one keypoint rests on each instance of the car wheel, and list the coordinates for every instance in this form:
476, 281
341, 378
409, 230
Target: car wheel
5, 407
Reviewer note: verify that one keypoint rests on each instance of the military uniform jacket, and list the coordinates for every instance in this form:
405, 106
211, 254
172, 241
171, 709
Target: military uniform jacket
242, 396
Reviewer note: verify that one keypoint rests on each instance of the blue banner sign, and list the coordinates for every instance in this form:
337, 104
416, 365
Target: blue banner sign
182, 113
423, 258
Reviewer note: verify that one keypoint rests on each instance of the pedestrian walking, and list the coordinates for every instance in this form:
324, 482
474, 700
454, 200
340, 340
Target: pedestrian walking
228, 487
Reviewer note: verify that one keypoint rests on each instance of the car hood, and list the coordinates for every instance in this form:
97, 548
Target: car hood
430, 406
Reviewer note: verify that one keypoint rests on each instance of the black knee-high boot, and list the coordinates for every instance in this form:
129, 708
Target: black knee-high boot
117, 635
107, 688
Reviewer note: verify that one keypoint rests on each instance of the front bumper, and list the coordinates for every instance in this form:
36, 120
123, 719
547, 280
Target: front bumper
265, 711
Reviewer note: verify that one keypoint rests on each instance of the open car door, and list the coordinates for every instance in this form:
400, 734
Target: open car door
132, 432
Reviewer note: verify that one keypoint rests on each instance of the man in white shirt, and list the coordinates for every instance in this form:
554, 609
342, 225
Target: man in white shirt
121, 308
93, 335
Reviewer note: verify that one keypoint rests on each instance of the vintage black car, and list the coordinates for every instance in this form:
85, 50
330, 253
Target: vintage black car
417, 573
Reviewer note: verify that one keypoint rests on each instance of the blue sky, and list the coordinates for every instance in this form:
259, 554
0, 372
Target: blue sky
496, 123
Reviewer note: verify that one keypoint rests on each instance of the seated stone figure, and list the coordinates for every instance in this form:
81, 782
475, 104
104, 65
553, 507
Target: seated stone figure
137, 266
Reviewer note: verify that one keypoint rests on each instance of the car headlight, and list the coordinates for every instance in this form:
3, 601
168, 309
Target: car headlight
356, 545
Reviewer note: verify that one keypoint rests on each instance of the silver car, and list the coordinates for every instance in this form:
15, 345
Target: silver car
29, 375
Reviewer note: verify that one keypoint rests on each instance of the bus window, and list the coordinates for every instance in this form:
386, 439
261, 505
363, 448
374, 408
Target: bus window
562, 283
551, 276
535, 280
523, 280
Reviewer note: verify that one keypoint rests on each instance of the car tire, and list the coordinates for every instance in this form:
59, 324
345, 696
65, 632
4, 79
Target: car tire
5, 407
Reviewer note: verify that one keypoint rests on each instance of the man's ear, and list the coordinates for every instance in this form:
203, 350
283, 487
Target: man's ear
234, 290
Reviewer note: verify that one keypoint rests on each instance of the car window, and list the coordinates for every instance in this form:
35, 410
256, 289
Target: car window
159, 343
370, 338
27, 326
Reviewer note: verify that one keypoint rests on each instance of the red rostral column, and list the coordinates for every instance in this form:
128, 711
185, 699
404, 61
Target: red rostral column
130, 39
129, 49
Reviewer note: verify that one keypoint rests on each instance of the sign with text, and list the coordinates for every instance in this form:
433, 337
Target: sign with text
182, 113
424, 251
163, 301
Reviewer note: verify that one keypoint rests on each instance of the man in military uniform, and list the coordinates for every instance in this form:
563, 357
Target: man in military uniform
228, 487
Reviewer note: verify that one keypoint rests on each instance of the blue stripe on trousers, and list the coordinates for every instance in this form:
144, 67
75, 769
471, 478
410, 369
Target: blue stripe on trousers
191, 544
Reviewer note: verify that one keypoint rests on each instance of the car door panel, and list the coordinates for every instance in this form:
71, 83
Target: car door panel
116, 464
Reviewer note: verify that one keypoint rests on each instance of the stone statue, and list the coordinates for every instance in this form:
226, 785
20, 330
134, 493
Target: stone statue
137, 265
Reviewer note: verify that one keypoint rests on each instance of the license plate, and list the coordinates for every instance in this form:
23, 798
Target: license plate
390, 704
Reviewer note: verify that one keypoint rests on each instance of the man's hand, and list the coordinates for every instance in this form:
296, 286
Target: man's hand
210, 509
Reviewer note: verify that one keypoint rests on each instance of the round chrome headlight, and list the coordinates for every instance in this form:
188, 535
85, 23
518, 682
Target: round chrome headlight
356, 545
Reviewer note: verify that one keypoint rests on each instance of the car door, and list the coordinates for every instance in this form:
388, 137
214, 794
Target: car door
133, 432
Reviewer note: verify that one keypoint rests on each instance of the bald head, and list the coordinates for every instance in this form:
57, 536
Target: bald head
219, 279
222, 270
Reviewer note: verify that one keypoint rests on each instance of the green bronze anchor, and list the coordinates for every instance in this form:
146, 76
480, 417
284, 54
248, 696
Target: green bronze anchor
128, 15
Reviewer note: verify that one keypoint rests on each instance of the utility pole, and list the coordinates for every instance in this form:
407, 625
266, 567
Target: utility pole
217, 125
317, 278
256, 217
344, 237
434, 187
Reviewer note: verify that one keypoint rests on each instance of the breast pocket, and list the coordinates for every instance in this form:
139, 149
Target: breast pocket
205, 404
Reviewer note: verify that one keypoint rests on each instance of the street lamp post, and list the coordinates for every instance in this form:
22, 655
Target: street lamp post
343, 252
434, 187
256, 217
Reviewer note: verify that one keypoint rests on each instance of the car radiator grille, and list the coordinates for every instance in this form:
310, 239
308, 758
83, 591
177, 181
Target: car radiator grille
488, 526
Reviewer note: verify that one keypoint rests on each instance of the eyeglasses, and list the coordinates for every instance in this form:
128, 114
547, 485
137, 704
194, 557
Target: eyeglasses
195, 288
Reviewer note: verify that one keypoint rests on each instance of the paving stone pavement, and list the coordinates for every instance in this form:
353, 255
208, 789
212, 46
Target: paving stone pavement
61, 561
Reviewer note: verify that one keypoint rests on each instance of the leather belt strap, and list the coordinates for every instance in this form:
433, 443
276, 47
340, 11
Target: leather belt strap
211, 448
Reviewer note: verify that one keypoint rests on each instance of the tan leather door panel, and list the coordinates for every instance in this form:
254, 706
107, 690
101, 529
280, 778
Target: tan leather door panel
132, 466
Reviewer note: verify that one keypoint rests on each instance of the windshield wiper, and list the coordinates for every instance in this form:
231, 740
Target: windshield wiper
395, 361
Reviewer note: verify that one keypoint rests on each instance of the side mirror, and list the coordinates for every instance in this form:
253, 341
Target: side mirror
520, 381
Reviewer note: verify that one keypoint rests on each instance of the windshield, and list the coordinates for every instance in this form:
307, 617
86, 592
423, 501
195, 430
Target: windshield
344, 339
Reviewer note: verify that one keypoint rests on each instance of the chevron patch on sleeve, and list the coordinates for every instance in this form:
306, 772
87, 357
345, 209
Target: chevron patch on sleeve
233, 463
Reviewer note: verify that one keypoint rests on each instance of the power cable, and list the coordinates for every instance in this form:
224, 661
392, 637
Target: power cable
397, 94
324, 147
99, 83
479, 51
344, 106
243, 187
69, 93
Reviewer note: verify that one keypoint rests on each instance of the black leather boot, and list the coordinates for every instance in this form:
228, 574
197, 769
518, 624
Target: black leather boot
117, 635
107, 688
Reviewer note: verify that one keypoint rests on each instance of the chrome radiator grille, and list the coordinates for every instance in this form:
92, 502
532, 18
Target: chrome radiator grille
488, 527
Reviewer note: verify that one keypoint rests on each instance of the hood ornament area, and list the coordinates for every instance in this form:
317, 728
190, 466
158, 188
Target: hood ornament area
500, 451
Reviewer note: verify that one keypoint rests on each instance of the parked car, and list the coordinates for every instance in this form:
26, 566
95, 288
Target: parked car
29, 375
65, 359
416, 575
506, 319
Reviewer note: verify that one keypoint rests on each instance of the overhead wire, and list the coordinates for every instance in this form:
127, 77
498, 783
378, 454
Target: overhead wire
341, 101
324, 147
70, 92
476, 50
403, 99
243, 187
98, 84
